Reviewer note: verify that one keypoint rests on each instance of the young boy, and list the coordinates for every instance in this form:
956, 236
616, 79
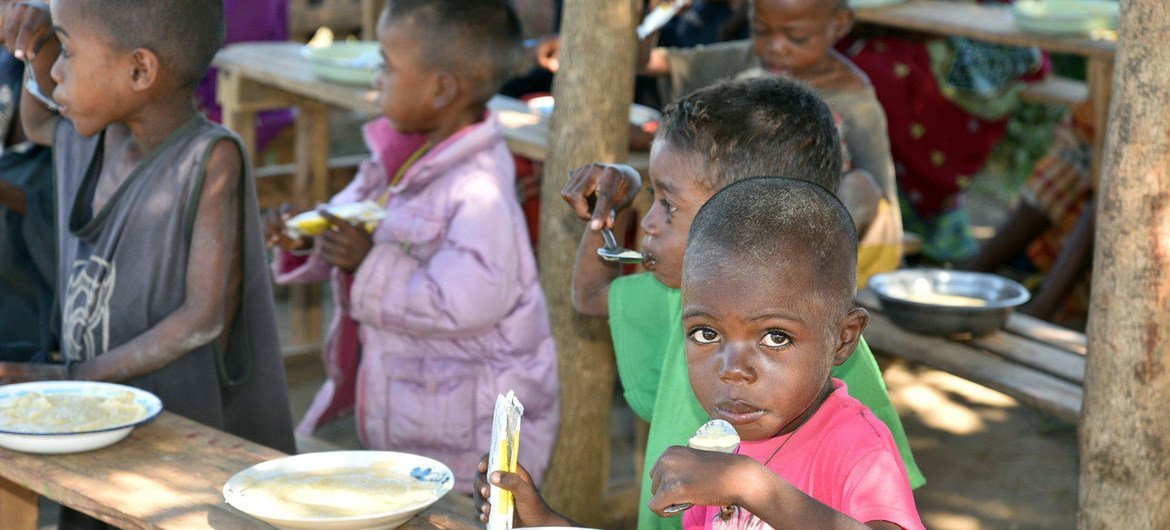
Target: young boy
162, 282
794, 38
767, 285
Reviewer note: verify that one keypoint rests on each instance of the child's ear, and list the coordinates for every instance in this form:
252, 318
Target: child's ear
850, 334
447, 89
146, 69
842, 23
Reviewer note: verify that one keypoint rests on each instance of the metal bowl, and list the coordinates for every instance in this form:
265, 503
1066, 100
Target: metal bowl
947, 302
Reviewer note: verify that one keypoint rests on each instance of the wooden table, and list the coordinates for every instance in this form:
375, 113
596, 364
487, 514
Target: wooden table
1039, 364
994, 23
168, 474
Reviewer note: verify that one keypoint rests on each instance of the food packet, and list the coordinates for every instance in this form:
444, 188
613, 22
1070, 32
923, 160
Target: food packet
502, 455
311, 223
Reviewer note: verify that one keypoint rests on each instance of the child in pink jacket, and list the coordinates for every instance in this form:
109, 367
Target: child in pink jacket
440, 308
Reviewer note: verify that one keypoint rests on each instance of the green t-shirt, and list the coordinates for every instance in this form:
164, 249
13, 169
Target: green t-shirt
645, 319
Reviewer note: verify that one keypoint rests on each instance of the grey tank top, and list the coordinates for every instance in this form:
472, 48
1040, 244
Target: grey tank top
123, 268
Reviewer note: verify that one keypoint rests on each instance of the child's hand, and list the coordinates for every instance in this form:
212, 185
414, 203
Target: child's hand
27, 26
275, 233
11, 372
614, 185
531, 510
346, 246
703, 478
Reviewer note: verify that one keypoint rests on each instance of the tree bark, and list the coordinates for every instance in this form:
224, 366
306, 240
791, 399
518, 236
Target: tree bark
593, 91
1125, 421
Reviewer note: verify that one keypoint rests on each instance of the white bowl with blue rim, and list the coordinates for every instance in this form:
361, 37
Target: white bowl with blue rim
21, 432
339, 490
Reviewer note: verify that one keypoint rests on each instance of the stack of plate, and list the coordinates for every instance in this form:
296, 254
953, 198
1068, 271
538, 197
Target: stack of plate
1066, 17
873, 3
352, 63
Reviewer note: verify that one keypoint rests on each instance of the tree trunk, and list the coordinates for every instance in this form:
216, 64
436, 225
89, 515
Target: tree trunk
593, 91
1125, 422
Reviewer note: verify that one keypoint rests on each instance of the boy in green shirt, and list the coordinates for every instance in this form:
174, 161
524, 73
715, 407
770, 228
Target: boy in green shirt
705, 141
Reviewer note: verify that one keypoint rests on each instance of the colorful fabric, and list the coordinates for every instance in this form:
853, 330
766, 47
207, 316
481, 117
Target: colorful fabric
645, 320
842, 456
447, 304
247, 21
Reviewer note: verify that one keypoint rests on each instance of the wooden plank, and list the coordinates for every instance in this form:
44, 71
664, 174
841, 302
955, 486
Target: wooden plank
1030, 387
1060, 363
991, 23
1048, 333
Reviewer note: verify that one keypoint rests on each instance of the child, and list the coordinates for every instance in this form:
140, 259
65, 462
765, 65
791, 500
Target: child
767, 285
705, 141
444, 291
794, 38
162, 280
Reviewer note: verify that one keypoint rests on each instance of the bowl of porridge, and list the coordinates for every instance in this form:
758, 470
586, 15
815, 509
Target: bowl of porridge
947, 302
71, 416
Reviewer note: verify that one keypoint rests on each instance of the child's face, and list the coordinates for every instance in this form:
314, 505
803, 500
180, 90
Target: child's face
761, 340
406, 83
794, 36
94, 80
678, 195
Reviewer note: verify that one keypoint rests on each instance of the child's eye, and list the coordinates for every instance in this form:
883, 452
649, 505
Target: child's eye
798, 39
670, 208
775, 339
704, 335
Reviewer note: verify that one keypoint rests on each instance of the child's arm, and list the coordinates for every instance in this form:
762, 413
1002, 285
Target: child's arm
861, 195
530, 508
28, 33
212, 265
705, 478
614, 186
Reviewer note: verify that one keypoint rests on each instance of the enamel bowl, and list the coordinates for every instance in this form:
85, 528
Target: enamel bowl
29, 437
947, 302
294, 509
351, 63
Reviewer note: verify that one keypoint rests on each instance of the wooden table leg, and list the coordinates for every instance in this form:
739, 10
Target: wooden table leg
371, 10
1100, 80
310, 187
18, 506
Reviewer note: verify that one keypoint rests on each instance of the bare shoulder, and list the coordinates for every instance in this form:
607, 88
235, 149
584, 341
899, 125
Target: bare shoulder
225, 163
844, 76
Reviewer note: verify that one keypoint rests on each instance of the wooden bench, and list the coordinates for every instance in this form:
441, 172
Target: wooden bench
1039, 364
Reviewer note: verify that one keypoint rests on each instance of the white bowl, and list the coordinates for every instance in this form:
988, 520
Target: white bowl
64, 439
639, 114
351, 63
426, 470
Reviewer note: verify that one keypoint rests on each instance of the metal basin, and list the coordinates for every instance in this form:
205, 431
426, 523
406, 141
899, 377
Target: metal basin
947, 302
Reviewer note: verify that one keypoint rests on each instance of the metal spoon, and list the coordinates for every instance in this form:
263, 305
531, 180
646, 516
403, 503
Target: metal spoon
612, 252
35, 89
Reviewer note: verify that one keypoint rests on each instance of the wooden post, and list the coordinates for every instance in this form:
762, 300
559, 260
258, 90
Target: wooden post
593, 91
1125, 423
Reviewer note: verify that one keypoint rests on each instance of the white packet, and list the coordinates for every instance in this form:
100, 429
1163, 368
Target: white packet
659, 16
502, 455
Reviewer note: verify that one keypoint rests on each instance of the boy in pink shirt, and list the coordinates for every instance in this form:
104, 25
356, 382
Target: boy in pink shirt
767, 291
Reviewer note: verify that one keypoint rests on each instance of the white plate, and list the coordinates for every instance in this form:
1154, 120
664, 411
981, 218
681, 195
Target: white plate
236, 490
64, 441
351, 63
639, 114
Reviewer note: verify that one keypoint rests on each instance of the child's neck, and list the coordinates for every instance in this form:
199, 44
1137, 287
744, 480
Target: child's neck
155, 121
455, 122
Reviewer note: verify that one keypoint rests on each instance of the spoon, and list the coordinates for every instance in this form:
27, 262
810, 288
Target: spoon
612, 252
34, 88
715, 435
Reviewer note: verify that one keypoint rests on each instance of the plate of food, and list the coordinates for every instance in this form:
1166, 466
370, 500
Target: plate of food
1066, 17
947, 302
339, 490
71, 416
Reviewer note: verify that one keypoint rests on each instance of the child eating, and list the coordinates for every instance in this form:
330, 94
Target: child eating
705, 141
767, 287
440, 308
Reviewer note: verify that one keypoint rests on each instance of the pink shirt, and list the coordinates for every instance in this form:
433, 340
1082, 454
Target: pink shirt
843, 457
